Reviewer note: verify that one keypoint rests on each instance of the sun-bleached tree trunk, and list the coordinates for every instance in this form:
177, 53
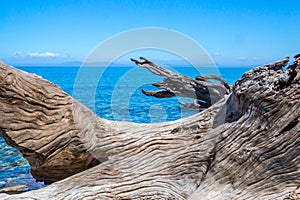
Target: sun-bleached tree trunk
245, 146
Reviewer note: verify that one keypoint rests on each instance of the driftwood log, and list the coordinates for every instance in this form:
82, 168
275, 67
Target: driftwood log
245, 146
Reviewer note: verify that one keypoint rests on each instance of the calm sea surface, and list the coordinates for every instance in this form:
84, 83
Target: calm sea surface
113, 93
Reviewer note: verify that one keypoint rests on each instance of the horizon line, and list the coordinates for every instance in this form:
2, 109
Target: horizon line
122, 64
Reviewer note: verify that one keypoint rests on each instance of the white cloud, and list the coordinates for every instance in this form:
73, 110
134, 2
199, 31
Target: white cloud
217, 54
18, 54
44, 54
242, 58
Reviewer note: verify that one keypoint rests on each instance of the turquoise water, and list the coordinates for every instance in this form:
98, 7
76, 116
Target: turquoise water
113, 93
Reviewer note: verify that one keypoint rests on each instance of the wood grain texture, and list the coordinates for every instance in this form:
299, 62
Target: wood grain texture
245, 146
37, 119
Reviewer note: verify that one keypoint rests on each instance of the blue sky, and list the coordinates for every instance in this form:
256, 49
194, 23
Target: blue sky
237, 32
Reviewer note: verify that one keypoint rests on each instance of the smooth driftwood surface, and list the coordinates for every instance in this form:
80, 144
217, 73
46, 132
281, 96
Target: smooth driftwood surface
246, 146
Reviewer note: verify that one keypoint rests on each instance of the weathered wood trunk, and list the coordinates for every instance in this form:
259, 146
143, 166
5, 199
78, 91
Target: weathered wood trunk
246, 146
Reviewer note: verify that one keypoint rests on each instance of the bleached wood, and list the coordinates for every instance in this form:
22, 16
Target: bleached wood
245, 146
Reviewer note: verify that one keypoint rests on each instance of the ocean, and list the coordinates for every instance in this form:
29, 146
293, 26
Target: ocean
113, 93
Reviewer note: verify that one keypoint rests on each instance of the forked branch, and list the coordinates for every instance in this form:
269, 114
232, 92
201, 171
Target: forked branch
201, 89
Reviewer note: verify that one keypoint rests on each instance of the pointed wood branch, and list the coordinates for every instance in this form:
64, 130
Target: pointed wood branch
175, 84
